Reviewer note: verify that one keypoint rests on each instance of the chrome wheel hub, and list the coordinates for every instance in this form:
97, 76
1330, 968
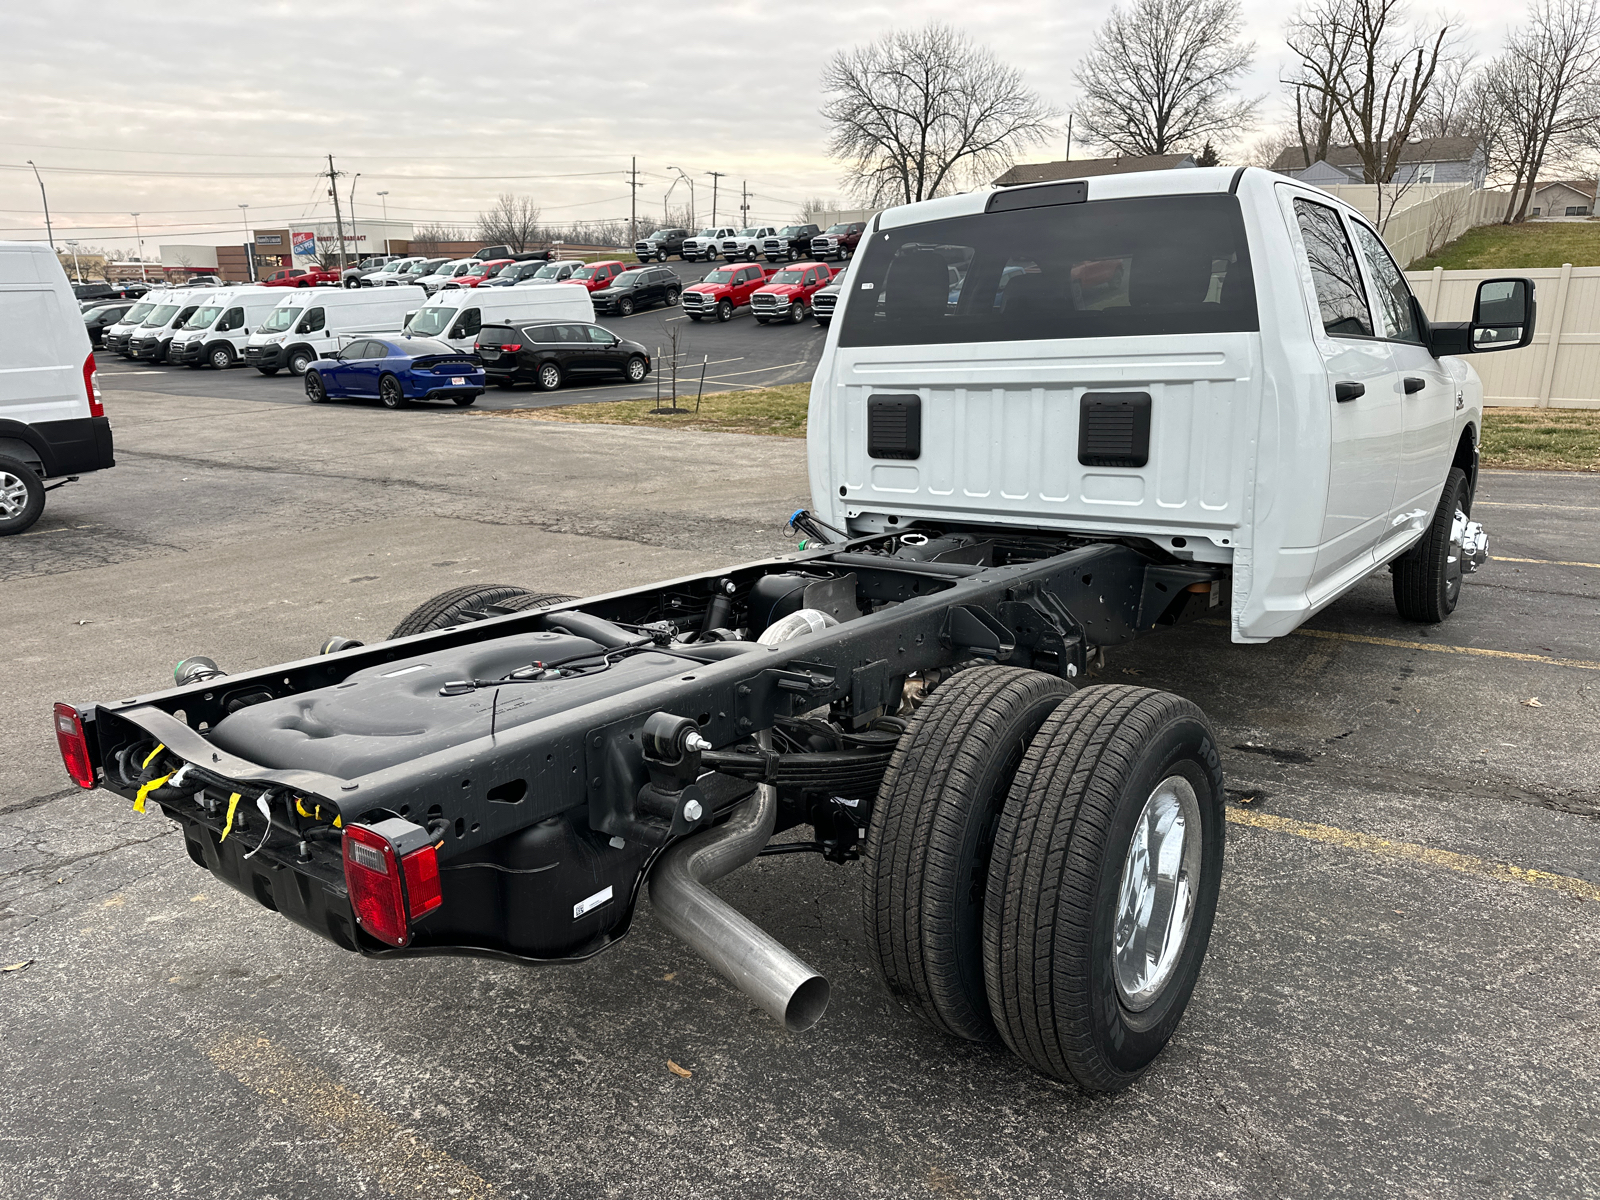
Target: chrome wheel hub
13, 495
1469, 549
1155, 902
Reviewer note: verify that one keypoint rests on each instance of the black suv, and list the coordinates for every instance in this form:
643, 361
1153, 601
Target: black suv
96, 319
789, 243
660, 244
548, 354
638, 288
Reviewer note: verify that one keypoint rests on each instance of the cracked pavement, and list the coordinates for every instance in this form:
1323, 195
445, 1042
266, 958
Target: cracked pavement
1365, 1025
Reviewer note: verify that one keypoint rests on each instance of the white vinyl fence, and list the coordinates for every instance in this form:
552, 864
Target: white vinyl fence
1561, 369
1419, 219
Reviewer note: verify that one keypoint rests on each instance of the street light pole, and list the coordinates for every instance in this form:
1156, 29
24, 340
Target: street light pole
690, 182
384, 196
47, 231
353, 236
249, 250
77, 274
139, 242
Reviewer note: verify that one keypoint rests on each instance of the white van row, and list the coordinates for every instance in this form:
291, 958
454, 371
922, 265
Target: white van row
271, 331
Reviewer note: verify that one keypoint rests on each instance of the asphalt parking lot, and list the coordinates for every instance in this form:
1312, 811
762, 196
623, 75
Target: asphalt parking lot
729, 356
1400, 997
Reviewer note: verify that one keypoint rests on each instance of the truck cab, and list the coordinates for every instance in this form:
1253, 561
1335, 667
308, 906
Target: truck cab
1224, 364
787, 294
660, 244
707, 243
723, 291
789, 243
746, 243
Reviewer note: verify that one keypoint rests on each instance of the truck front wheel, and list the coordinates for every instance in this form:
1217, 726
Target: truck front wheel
21, 495
724, 310
1427, 578
1103, 884
928, 853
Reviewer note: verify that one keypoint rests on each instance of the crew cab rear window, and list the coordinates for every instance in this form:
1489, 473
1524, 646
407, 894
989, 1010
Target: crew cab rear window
1340, 293
1150, 265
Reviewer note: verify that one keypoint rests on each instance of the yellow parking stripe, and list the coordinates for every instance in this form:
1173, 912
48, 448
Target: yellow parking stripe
1581, 663
401, 1162
1547, 562
1466, 864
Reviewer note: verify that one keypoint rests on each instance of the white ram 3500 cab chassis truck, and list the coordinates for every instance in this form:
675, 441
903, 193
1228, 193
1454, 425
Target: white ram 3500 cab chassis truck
1047, 420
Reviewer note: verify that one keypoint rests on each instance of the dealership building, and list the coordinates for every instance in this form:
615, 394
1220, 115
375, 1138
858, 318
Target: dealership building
295, 245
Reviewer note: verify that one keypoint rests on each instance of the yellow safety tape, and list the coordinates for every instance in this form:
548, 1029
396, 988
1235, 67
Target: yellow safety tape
233, 804
337, 823
151, 757
300, 807
138, 801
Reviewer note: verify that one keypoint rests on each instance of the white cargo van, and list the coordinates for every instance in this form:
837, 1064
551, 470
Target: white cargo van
115, 337
150, 342
220, 328
456, 316
52, 424
306, 326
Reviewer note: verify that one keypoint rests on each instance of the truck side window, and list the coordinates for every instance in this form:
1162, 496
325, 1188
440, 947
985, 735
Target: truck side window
1340, 293
311, 322
1394, 297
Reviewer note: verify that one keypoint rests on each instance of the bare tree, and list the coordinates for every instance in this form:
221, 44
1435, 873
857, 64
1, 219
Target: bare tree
1544, 91
512, 221
814, 207
427, 239
1266, 149
1358, 60
920, 113
1319, 37
1160, 77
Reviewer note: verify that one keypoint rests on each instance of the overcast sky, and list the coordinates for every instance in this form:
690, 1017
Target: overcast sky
184, 110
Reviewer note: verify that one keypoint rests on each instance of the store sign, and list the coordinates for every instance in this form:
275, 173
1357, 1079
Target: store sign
304, 244
269, 239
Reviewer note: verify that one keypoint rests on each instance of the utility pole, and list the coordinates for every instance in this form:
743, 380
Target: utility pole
139, 241
1068, 158
338, 220
744, 203
715, 176
633, 200
47, 231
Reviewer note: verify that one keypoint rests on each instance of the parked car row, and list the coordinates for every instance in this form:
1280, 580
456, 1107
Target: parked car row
787, 244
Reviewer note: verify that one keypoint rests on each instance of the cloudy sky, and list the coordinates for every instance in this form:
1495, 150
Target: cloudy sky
183, 111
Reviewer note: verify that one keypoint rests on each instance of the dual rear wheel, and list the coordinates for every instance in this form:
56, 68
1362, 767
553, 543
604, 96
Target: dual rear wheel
1043, 867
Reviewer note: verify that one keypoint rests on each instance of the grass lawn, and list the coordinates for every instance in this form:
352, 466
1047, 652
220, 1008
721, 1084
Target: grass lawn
777, 412
1495, 247
1549, 439
1554, 439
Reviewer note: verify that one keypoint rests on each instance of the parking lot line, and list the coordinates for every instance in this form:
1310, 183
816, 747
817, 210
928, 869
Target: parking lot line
757, 371
1466, 864
1511, 504
1548, 562
401, 1162
1582, 664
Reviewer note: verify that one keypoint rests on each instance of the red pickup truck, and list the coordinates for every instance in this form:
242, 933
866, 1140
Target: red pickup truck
724, 290
598, 275
787, 295
302, 277
484, 270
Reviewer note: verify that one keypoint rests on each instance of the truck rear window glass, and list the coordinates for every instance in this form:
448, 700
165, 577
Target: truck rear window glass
1151, 265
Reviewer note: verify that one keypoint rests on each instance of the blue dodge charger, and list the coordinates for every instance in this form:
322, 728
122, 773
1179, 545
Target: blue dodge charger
396, 369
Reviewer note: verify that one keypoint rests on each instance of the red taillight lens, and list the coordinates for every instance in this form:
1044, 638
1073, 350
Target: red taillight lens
91, 387
74, 746
421, 869
510, 347
373, 877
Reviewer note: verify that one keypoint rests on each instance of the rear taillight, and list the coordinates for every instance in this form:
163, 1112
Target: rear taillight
391, 869
91, 387
74, 746
510, 347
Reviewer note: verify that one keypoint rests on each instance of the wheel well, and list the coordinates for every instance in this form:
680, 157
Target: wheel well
1467, 459
21, 451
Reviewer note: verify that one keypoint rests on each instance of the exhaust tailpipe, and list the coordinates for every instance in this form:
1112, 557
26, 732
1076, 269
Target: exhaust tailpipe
748, 956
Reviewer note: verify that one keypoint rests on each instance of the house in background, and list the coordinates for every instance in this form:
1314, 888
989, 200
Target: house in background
1431, 160
1563, 198
1084, 168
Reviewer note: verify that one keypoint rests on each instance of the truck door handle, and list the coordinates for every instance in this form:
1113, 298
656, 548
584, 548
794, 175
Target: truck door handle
1343, 392
1413, 384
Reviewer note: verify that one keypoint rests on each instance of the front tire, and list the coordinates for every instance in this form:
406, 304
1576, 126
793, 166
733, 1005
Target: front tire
724, 310
1103, 884
21, 496
299, 360
316, 390
1427, 578
928, 853
390, 393
625, 306
222, 357
797, 312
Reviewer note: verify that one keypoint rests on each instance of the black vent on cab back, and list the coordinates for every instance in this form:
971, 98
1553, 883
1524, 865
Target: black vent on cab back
894, 426
1114, 429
